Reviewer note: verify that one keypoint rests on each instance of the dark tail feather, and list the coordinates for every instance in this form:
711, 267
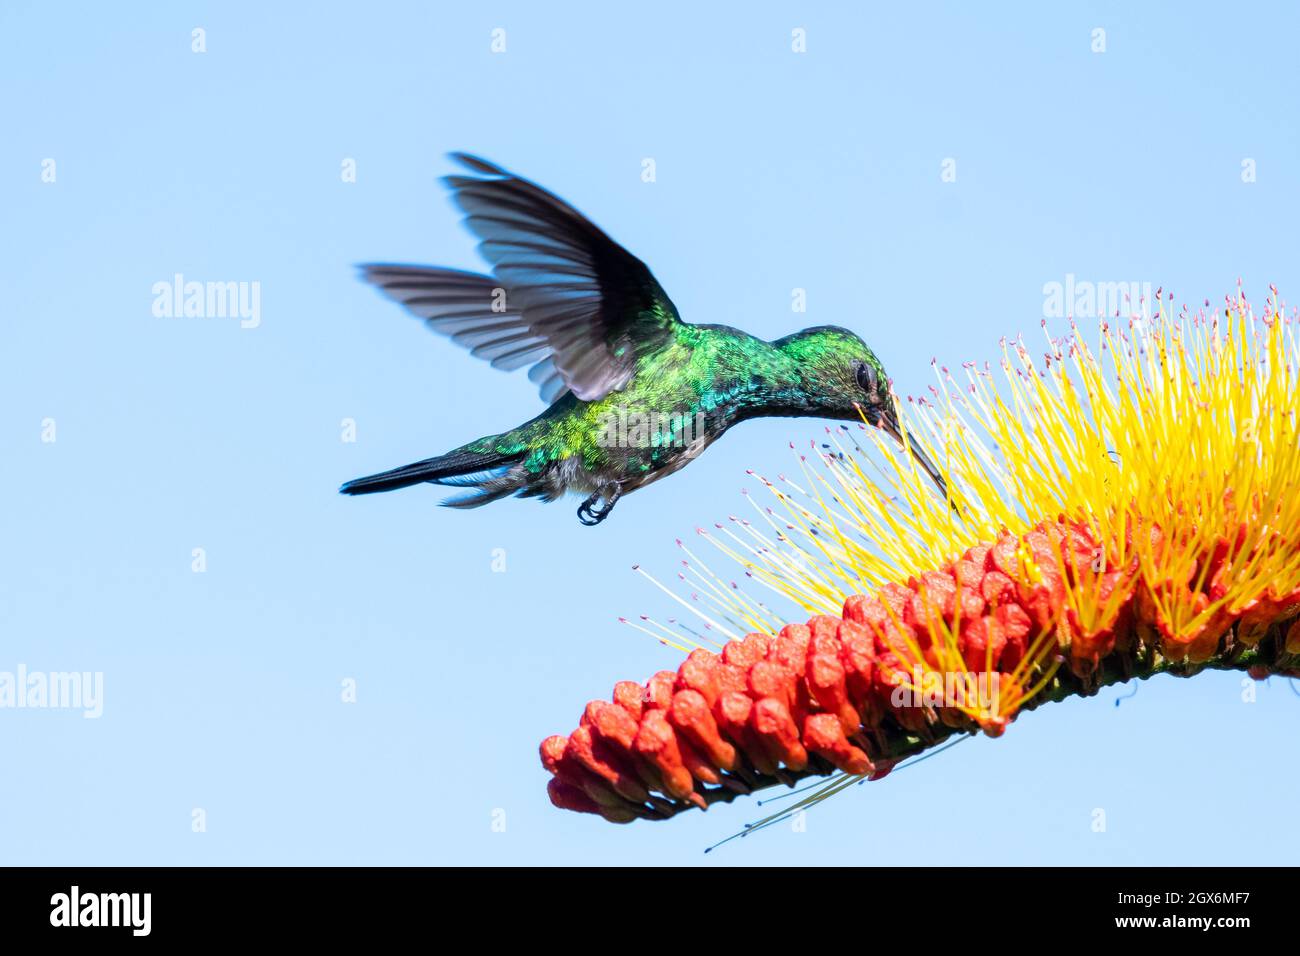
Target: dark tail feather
452, 465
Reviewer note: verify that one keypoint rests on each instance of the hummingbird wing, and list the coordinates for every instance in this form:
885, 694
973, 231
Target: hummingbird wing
563, 297
471, 309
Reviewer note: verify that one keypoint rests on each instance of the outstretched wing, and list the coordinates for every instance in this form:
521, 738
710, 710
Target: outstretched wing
472, 310
564, 297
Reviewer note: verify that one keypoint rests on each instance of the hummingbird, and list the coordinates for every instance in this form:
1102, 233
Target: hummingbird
633, 392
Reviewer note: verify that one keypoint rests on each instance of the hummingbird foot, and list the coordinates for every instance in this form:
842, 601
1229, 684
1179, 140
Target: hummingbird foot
589, 514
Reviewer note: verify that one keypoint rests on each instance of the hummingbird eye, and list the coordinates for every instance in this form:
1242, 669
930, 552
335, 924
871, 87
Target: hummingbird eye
867, 378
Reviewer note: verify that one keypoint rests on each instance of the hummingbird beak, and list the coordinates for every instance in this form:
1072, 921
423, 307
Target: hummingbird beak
888, 422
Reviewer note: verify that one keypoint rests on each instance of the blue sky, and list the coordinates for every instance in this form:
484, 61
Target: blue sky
775, 170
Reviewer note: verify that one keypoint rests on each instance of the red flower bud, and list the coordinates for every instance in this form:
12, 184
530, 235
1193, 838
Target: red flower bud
824, 735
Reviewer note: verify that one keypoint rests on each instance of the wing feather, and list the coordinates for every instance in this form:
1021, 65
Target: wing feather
563, 296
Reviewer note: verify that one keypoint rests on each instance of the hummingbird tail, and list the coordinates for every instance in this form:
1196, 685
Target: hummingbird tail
460, 467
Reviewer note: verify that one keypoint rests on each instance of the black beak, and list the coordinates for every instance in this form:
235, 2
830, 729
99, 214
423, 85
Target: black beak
888, 421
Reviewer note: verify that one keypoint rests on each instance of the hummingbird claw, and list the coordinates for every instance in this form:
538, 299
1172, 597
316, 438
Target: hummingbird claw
589, 514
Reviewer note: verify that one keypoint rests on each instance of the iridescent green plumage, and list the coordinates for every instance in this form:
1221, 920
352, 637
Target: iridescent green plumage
634, 393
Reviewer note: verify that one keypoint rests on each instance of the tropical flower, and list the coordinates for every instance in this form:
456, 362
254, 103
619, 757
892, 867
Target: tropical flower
1109, 514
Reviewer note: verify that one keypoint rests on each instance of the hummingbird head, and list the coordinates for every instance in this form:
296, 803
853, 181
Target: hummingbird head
845, 380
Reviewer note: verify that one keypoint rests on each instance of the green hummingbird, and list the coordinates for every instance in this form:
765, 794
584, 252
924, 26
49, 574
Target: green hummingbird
633, 392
